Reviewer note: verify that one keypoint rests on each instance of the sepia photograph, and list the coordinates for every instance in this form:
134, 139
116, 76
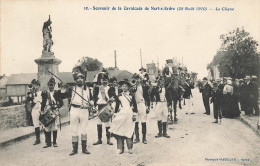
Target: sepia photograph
129, 83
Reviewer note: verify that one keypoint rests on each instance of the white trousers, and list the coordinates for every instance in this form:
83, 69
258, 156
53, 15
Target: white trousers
141, 112
36, 115
161, 111
188, 106
78, 121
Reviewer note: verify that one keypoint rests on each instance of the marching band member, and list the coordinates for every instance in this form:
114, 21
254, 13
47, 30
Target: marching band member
79, 112
51, 99
146, 85
188, 95
122, 127
161, 110
113, 92
142, 110
36, 98
100, 96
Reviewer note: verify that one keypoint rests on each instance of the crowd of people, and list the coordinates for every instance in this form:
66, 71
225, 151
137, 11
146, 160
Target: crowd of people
230, 97
122, 106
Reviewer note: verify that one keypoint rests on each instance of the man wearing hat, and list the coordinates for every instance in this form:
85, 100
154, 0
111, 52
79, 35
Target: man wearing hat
249, 88
242, 94
79, 112
187, 95
51, 99
101, 98
146, 85
216, 100
206, 91
170, 75
142, 109
36, 98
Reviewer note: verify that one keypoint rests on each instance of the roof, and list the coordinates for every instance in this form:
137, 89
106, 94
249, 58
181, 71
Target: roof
26, 78
3, 82
21, 79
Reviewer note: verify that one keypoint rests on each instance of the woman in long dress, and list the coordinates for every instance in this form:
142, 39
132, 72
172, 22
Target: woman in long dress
122, 127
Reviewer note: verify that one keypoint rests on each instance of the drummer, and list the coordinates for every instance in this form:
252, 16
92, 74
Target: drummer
36, 98
113, 91
51, 99
101, 97
122, 127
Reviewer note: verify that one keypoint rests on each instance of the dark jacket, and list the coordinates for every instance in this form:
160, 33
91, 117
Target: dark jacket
132, 104
206, 90
187, 93
216, 96
112, 93
95, 95
46, 96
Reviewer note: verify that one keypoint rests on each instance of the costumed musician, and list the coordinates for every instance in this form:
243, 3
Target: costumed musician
79, 110
161, 109
187, 95
35, 95
143, 110
51, 100
122, 126
101, 100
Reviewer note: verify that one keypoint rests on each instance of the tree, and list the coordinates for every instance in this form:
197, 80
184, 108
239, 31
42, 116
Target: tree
90, 64
237, 55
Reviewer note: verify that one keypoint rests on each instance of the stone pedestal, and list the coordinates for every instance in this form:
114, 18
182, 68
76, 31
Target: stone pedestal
45, 63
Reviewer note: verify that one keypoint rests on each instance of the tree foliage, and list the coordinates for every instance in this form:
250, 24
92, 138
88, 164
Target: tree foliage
90, 64
237, 55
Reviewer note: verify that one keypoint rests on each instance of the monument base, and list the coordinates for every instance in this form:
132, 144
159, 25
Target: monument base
46, 63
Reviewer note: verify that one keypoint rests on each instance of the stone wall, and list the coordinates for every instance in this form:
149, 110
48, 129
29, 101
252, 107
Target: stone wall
13, 117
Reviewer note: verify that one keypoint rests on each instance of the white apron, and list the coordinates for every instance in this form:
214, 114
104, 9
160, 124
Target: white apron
122, 124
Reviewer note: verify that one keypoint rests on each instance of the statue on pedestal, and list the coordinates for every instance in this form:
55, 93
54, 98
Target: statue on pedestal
47, 37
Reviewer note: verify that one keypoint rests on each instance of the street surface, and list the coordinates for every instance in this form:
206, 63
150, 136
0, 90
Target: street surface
195, 140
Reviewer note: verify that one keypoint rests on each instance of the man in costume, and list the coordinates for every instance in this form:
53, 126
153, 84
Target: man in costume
170, 75
51, 99
35, 95
79, 112
161, 109
143, 110
101, 97
187, 95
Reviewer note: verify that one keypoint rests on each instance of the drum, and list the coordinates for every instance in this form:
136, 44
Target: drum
106, 113
47, 118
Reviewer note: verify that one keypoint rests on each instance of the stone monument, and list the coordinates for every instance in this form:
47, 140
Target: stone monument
47, 61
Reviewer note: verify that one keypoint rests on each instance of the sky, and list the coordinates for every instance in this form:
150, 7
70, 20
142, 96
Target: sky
191, 35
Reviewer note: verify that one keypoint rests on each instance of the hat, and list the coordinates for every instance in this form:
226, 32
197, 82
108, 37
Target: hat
51, 81
99, 76
169, 61
215, 83
78, 71
254, 77
247, 78
35, 82
229, 78
112, 79
142, 69
240, 80
125, 81
135, 75
205, 78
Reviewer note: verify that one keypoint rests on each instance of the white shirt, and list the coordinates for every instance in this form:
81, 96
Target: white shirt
77, 100
100, 98
139, 94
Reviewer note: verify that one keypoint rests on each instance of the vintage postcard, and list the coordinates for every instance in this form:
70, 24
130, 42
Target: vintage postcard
129, 82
